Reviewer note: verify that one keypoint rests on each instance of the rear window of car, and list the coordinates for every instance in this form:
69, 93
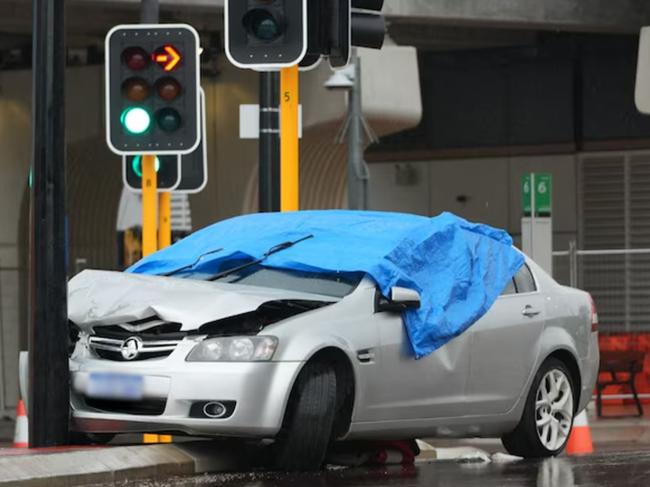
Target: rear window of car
524, 280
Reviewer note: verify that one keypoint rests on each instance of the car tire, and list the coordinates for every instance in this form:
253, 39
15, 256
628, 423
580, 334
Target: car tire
305, 437
546, 423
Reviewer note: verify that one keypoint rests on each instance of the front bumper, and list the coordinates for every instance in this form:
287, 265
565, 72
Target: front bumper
260, 391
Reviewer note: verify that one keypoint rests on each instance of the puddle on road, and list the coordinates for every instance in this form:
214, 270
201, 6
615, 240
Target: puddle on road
603, 470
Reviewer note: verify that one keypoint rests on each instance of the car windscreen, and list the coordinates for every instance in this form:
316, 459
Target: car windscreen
334, 285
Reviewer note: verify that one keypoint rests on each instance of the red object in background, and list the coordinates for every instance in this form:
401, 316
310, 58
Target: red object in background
626, 342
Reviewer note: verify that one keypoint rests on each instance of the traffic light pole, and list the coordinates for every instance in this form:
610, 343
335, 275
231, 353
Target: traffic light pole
149, 206
269, 145
49, 395
164, 219
289, 144
149, 14
149, 11
357, 169
154, 233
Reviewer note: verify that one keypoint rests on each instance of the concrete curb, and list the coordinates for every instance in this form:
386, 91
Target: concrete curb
115, 464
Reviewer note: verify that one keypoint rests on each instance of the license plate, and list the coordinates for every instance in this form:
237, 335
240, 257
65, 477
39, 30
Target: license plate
115, 386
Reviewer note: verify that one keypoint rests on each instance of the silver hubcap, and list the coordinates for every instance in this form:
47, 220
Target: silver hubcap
554, 409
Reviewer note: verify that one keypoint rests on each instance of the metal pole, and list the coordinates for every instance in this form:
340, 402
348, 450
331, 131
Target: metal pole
269, 146
149, 14
533, 213
48, 348
149, 11
289, 144
357, 168
3, 369
573, 264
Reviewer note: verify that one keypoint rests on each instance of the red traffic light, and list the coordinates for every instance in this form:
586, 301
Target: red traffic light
168, 88
136, 89
135, 58
167, 57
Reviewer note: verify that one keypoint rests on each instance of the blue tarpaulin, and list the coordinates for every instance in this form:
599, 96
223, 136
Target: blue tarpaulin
458, 267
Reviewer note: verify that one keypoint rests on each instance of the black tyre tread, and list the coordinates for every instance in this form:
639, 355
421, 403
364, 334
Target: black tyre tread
523, 440
303, 443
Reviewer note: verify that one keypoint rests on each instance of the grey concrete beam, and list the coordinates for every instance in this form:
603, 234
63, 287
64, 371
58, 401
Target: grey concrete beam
566, 15
119, 464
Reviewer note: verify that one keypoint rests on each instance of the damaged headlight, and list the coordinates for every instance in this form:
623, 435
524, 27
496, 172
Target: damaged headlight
234, 349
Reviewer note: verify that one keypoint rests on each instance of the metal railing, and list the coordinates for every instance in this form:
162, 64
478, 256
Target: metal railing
618, 280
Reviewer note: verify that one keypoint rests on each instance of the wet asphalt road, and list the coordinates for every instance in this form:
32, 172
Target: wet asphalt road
602, 470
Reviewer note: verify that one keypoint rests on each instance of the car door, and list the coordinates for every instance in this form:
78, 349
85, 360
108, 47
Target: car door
503, 346
409, 389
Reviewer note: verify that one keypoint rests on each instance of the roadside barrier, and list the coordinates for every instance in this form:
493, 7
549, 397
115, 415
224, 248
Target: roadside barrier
580, 442
21, 434
150, 438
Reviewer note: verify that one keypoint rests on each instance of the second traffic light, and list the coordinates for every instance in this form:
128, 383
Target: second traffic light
334, 26
168, 170
266, 34
152, 89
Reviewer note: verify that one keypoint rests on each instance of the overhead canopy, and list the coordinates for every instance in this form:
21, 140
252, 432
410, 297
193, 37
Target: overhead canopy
459, 268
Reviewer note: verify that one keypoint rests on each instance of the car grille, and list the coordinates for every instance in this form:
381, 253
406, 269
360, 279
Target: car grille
154, 339
146, 407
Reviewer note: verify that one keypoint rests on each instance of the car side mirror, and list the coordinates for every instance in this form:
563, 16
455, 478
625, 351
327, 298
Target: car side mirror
401, 299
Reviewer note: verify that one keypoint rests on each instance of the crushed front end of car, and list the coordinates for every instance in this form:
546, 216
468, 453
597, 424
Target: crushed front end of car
159, 354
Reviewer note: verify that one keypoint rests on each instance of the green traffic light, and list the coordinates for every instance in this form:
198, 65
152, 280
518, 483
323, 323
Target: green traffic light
135, 120
136, 165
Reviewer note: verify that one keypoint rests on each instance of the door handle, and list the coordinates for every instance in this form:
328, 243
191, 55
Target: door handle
530, 312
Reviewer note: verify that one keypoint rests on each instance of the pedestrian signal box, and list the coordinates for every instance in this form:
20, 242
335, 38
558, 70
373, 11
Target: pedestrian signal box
168, 172
152, 89
194, 166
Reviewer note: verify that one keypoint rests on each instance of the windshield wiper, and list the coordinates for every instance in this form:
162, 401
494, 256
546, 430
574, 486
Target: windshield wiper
189, 266
270, 252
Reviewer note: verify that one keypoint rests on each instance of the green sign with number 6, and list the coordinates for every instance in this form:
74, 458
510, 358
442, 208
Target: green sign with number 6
543, 194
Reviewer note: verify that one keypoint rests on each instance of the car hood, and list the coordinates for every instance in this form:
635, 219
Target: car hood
97, 298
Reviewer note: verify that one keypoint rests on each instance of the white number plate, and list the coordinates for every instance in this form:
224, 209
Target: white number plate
115, 386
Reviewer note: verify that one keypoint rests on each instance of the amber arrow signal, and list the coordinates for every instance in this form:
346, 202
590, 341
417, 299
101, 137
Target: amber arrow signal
169, 59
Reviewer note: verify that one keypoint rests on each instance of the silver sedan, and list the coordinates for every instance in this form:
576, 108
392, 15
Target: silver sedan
303, 359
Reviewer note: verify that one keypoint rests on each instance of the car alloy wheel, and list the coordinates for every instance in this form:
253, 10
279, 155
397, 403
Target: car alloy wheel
554, 409
547, 418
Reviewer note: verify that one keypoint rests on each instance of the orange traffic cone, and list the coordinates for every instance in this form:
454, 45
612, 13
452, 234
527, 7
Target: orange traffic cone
580, 442
21, 435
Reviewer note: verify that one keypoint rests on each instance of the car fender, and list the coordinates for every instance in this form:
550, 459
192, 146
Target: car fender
551, 340
554, 339
307, 348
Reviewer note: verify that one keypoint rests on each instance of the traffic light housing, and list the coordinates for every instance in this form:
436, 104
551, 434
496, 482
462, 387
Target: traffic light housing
194, 166
334, 26
266, 34
168, 172
152, 89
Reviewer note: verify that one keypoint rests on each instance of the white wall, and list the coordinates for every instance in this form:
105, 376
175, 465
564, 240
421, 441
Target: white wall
490, 188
